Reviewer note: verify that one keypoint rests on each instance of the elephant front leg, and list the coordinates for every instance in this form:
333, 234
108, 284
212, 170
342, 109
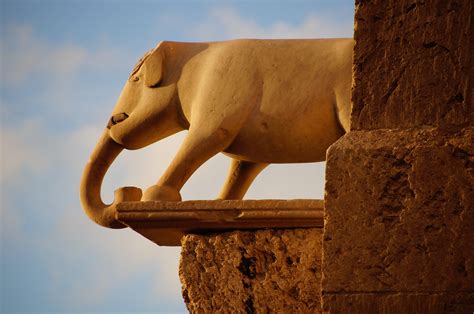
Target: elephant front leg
197, 148
241, 175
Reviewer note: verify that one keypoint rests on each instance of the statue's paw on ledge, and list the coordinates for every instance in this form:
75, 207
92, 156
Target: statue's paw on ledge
161, 193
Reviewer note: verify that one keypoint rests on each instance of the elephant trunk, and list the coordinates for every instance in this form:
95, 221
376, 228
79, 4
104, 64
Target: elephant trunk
100, 160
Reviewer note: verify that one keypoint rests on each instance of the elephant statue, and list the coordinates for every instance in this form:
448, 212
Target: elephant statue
257, 101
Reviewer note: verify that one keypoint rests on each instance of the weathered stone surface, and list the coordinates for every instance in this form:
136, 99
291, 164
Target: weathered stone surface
413, 64
396, 303
260, 271
399, 212
399, 200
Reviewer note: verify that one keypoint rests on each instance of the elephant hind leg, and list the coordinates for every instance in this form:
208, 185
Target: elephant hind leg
240, 177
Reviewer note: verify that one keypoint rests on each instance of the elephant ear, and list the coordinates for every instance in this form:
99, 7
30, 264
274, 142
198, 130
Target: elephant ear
154, 67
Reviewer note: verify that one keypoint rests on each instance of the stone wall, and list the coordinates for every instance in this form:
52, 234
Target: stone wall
412, 64
399, 219
399, 191
252, 271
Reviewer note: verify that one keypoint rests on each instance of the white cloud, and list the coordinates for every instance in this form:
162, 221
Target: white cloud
62, 79
21, 152
24, 53
226, 23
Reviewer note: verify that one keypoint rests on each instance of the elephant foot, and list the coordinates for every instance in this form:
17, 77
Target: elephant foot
161, 193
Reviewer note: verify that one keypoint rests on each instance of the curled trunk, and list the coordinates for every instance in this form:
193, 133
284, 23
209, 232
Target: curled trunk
100, 160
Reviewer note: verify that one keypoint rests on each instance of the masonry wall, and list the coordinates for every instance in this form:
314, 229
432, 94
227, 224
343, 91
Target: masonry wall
252, 271
413, 64
399, 193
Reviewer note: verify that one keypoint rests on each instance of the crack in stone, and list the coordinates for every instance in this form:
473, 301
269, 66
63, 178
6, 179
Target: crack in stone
393, 86
249, 307
410, 8
247, 266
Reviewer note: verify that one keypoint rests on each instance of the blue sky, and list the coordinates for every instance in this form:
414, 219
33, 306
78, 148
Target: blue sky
63, 64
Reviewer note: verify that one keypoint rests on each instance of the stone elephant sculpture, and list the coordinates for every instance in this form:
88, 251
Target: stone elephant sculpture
257, 101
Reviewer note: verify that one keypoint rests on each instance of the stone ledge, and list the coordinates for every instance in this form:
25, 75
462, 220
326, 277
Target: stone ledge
166, 222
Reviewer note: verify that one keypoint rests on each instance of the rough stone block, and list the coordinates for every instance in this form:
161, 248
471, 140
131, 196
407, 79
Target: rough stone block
413, 64
252, 271
399, 212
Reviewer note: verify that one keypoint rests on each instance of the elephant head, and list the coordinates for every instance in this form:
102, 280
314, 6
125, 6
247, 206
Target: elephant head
147, 110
